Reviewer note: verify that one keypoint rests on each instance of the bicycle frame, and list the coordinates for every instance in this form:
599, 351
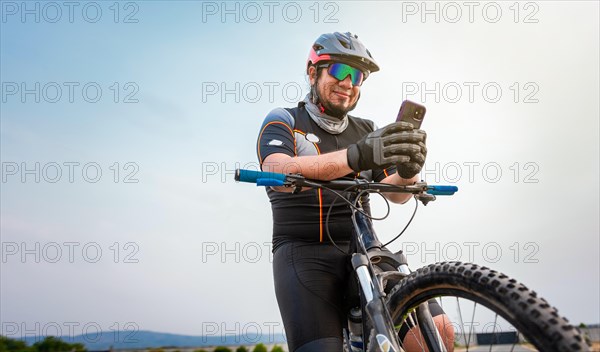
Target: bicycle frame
370, 251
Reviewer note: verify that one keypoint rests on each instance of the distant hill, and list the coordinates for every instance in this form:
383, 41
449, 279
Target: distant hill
150, 339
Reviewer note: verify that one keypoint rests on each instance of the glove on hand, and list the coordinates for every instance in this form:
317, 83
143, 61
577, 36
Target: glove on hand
411, 168
417, 154
397, 143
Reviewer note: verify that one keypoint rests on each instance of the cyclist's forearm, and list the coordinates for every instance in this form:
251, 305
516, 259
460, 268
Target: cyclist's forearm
324, 167
395, 179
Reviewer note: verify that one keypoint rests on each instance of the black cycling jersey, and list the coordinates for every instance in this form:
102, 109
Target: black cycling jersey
302, 216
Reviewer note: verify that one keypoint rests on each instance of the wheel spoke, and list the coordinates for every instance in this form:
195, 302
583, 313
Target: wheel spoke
472, 322
417, 332
494, 331
462, 323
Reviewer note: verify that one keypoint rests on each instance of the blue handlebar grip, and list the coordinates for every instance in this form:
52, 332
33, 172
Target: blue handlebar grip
252, 176
268, 182
442, 190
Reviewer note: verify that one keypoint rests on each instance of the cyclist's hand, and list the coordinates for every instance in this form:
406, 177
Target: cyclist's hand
394, 144
416, 151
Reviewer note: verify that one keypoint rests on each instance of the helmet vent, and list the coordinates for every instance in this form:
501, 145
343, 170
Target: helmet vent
344, 40
345, 44
317, 47
368, 52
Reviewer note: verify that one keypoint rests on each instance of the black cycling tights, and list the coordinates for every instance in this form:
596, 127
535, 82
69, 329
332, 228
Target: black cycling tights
314, 289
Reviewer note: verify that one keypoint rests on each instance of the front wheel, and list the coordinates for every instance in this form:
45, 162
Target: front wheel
485, 307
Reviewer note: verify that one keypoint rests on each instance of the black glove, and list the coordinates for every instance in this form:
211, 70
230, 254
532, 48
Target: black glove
397, 143
408, 169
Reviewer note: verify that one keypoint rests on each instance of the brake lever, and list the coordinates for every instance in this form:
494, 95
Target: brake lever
425, 198
420, 193
296, 181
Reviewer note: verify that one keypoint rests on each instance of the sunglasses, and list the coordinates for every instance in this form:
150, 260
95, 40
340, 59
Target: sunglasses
341, 71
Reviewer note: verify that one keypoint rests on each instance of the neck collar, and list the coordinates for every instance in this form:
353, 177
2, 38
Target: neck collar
329, 123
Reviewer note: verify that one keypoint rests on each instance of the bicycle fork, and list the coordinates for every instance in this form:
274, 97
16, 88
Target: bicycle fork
382, 322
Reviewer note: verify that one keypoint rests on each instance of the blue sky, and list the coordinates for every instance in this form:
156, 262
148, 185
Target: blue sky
190, 241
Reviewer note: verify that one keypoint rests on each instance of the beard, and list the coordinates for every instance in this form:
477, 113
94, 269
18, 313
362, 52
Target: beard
336, 111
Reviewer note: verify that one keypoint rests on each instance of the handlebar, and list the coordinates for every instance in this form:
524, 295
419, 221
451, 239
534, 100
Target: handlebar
262, 178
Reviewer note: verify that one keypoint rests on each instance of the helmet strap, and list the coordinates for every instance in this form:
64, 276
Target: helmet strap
315, 98
314, 95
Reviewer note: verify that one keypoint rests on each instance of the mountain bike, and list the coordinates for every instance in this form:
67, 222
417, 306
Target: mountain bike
509, 316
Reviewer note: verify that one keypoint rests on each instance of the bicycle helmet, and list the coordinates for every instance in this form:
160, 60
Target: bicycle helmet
343, 47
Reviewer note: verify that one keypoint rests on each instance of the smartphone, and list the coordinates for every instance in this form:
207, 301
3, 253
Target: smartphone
411, 112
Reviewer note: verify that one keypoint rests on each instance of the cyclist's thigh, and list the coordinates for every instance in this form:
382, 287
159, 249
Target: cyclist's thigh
310, 279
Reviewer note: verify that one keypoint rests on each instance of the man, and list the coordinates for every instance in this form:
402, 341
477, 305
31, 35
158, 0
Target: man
319, 140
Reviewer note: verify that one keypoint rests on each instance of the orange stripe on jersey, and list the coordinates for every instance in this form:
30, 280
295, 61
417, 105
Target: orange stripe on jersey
320, 203
385, 173
318, 149
320, 215
263, 130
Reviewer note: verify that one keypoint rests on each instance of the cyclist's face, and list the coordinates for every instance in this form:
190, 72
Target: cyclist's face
338, 97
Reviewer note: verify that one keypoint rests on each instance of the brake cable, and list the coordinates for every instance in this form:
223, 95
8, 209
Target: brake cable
355, 207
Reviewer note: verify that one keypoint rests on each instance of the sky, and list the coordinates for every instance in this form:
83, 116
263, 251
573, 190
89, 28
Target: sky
122, 122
